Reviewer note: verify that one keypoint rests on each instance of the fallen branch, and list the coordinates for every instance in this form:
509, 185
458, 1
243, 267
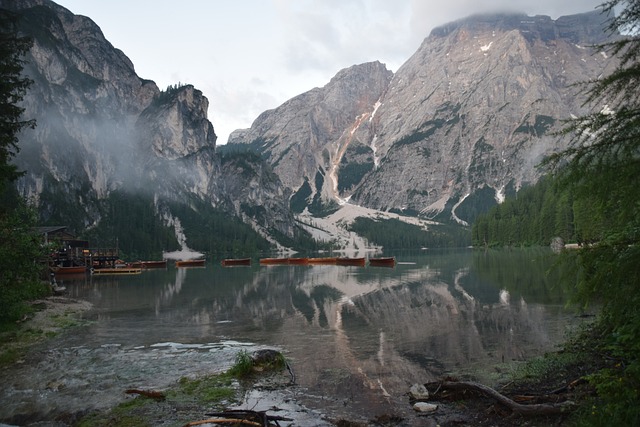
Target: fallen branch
241, 416
234, 421
534, 409
293, 375
573, 384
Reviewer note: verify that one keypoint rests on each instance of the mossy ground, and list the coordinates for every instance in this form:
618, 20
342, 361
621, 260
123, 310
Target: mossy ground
44, 319
190, 399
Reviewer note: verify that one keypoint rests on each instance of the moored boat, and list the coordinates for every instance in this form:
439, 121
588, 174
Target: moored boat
297, 261
323, 261
154, 264
115, 271
148, 264
75, 269
358, 262
382, 262
230, 262
190, 263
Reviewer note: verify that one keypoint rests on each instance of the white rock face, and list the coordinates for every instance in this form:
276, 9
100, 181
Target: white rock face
101, 128
475, 107
306, 137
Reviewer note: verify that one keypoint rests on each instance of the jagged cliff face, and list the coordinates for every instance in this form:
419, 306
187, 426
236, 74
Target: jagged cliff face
101, 128
474, 108
306, 138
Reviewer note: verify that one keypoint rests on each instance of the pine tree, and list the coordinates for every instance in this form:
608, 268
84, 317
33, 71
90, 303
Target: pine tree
602, 170
20, 247
13, 87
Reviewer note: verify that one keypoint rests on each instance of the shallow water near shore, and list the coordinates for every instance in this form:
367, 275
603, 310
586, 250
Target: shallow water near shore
356, 337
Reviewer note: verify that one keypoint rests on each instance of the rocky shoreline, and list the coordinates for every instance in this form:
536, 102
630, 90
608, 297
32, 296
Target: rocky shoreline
273, 393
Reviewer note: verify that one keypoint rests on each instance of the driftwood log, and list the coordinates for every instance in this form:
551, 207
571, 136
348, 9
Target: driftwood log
531, 409
240, 417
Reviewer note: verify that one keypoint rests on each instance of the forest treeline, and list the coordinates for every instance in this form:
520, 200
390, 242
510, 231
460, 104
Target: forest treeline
539, 213
396, 234
132, 223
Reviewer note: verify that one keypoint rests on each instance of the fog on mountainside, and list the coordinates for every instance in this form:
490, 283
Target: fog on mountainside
462, 123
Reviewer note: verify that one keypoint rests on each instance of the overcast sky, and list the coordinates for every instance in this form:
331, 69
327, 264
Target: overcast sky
248, 56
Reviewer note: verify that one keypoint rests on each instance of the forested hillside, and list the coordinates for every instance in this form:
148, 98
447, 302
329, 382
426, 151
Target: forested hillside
396, 234
539, 213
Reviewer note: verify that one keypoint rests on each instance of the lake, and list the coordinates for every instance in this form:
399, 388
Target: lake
356, 337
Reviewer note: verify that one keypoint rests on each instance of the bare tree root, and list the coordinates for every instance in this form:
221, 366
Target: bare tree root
527, 410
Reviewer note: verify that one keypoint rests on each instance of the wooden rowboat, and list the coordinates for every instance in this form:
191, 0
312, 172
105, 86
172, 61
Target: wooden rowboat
323, 261
76, 269
154, 264
190, 263
115, 271
230, 262
358, 262
297, 261
382, 262
148, 264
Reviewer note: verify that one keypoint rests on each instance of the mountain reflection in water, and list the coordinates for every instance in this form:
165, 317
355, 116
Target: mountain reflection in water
356, 337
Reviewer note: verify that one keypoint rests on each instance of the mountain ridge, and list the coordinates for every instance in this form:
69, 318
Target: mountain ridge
475, 107
463, 122
103, 129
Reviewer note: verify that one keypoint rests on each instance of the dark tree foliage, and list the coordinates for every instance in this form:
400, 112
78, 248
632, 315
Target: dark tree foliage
13, 87
215, 232
21, 263
21, 252
602, 168
396, 234
131, 223
535, 216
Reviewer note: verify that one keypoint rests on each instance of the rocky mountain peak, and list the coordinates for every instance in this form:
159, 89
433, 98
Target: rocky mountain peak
175, 124
102, 129
585, 28
306, 136
465, 119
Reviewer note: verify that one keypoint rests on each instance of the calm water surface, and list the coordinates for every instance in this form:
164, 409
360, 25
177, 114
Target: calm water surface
356, 337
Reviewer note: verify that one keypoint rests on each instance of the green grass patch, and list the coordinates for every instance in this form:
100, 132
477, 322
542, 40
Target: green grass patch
207, 390
9, 356
243, 366
549, 368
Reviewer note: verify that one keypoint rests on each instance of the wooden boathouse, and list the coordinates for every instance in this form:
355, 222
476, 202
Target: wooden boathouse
68, 251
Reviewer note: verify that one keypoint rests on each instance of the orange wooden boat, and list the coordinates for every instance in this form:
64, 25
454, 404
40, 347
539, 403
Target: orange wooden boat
154, 264
358, 262
230, 262
323, 261
75, 269
382, 262
190, 263
148, 264
297, 261
115, 271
